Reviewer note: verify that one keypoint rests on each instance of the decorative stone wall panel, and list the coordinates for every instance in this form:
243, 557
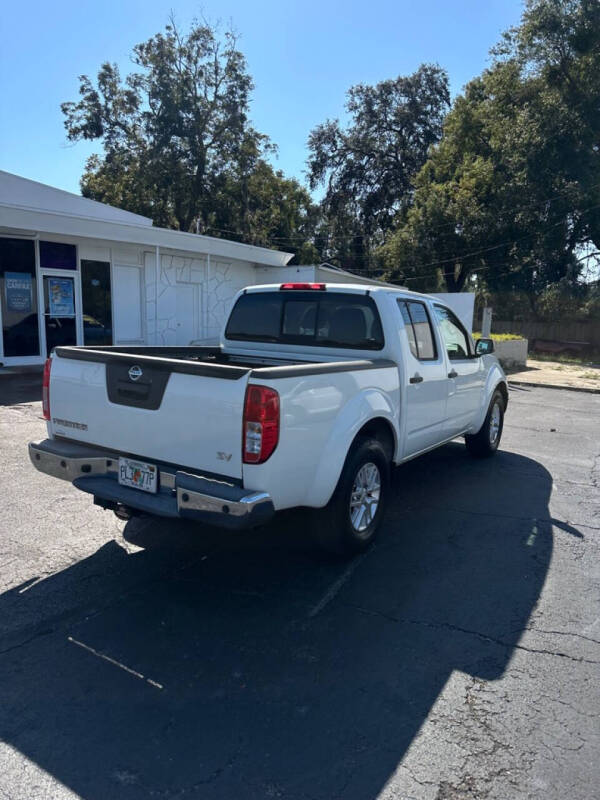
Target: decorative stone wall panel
224, 281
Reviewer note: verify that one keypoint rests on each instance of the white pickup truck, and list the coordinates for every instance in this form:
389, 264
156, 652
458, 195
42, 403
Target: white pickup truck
314, 393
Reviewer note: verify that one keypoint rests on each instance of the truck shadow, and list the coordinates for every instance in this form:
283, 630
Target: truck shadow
218, 668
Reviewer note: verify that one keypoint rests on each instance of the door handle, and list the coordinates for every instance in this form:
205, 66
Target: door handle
453, 374
416, 379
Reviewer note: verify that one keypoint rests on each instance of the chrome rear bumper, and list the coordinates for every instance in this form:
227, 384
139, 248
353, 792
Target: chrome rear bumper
180, 494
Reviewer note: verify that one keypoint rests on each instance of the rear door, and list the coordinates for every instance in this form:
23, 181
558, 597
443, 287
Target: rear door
155, 408
426, 379
465, 380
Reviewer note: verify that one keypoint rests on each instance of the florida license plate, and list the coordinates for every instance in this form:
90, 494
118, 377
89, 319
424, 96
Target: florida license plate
138, 475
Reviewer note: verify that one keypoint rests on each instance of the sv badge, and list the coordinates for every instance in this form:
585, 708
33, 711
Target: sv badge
223, 456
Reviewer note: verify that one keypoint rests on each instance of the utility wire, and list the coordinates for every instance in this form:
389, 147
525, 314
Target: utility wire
465, 256
331, 228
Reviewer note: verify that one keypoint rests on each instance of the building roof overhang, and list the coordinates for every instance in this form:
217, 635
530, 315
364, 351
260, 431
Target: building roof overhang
32, 221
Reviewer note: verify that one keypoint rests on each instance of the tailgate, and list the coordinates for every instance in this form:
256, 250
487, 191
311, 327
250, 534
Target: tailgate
184, 413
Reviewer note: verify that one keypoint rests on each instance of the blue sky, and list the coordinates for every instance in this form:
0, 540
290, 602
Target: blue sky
302, 56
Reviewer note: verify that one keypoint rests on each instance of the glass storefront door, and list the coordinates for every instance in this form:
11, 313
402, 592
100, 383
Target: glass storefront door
18, 300
40, 304
60, 321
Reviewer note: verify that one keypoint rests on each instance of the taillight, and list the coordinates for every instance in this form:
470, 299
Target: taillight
320, 287
261, 424
46, 389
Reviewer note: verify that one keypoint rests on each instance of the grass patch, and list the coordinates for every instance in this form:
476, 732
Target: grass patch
588, 360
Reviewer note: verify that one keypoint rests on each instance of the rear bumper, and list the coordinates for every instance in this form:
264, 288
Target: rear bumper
180, 495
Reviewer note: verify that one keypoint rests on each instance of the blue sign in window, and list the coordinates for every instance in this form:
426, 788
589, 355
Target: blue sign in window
60, 297
19, 292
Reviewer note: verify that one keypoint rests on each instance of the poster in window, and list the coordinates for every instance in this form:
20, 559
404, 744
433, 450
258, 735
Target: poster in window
60, 297
18, 288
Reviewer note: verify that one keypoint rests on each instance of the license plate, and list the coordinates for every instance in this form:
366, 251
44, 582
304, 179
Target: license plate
138, 475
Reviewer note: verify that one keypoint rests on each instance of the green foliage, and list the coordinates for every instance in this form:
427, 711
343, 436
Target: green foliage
562, 301
500, 196
558, 301
511, 193
367, 167
178, 145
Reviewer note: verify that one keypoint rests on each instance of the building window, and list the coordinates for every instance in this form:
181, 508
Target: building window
56, 255
96, 302
18, 298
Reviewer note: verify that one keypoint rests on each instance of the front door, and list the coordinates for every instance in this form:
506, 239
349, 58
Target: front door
60, 310
465, 379
188, 304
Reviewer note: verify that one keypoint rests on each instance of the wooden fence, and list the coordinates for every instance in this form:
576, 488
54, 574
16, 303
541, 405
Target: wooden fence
565, 331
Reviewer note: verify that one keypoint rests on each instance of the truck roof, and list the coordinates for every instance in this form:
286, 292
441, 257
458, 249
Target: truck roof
350, 288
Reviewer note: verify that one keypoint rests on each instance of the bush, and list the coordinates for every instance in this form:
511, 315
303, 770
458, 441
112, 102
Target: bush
500, 337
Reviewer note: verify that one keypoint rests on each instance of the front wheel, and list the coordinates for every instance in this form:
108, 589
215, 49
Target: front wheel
485, 442
348, 524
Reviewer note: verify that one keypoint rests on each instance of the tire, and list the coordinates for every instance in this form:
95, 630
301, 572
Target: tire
343, 527
484, 443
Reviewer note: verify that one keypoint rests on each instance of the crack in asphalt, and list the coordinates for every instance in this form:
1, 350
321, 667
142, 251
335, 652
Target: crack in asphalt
76, 615
483, 636
27, 641
469, 512
556, 633
214, 775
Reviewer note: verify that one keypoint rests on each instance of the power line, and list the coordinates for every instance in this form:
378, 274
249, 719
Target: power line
488, 249
506, 243
337, 235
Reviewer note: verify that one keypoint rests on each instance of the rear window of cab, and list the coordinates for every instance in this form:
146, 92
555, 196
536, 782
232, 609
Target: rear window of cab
310, 318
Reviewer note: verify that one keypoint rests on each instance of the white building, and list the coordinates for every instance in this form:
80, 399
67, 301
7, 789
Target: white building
74, 271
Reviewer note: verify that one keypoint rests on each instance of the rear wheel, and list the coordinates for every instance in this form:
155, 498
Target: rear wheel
487, 439
349, 522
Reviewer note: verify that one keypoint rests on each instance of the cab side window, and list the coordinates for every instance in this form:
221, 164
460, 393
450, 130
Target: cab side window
418, 329
454, 335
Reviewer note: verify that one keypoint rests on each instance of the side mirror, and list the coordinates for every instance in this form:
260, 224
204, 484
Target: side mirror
484, 347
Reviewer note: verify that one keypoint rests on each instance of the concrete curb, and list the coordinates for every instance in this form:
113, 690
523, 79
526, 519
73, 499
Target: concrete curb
553, 386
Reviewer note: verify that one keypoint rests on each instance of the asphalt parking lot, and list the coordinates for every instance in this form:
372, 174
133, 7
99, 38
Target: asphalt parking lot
460, 658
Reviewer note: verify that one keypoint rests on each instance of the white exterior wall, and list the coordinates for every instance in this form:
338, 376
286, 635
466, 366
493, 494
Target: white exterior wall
194, 296
188, 299
225, 281
512, 352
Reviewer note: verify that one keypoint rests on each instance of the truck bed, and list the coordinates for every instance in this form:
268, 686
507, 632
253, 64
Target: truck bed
213, 361
179, 405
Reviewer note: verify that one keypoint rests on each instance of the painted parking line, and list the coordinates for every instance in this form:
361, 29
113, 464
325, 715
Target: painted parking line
115, 663
337, 585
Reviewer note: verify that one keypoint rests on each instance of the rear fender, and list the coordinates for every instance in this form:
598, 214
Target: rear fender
368, 405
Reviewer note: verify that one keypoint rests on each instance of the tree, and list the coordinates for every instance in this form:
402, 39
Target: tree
174, 132
367, 168
268, 209
511, 192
